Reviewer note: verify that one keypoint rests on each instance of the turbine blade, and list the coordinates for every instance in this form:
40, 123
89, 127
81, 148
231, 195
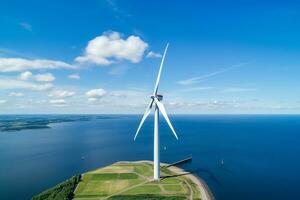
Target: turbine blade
164, 113
147, 112
159, 72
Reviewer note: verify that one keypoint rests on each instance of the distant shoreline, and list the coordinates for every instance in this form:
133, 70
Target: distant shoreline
19, 122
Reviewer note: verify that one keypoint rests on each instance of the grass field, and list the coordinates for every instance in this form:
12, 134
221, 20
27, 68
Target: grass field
133, 180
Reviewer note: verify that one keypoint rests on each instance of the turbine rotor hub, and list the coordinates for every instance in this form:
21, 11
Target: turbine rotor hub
159, 97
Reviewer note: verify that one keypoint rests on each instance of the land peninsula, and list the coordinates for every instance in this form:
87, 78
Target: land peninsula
130, 180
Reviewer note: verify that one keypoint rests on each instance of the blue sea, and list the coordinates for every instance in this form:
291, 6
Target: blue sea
239, 156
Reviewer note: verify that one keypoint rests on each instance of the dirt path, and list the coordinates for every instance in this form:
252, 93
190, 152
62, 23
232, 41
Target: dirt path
203, 189
126, 189
191, 191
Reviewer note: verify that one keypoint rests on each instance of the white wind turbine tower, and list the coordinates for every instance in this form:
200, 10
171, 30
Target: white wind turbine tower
155, 100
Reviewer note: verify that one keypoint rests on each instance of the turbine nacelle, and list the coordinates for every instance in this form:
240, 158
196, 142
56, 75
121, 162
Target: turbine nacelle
159, 97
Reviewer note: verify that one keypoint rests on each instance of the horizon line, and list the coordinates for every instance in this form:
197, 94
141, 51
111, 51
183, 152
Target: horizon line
3, 114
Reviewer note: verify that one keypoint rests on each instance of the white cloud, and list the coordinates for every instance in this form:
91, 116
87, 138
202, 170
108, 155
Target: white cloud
16, 94
74, 76
61, 93
19, 84
92, 99
25, 75
21, 64
2, 101
41, 87
96, 93
58, 102
26, 26
110, 47
152, 54
48, 77
239, 90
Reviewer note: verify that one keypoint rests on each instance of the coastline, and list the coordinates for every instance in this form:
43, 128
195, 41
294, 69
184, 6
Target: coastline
206, 194
107, 182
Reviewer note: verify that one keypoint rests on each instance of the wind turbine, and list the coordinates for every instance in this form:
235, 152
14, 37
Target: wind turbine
155, 102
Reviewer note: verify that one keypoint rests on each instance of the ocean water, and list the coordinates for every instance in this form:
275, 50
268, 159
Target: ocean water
239, 156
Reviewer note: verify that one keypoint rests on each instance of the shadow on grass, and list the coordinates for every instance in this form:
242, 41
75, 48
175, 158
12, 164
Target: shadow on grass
210, 175
176, 175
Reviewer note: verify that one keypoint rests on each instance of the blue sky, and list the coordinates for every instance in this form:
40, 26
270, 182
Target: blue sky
225, 57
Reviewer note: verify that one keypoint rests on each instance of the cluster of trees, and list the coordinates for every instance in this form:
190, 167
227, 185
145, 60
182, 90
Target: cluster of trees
62, 191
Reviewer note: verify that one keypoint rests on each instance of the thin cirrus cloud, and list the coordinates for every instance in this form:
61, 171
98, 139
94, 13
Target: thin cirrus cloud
238, 89
2, 101
197, 89
61, 93
110, 48
22, 64
16, 94
206, 76
92, 99
118, 70
74, 76
48, 77
118, 13
26, 26
210, 105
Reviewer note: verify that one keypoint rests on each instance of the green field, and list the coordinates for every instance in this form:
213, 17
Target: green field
133, 180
